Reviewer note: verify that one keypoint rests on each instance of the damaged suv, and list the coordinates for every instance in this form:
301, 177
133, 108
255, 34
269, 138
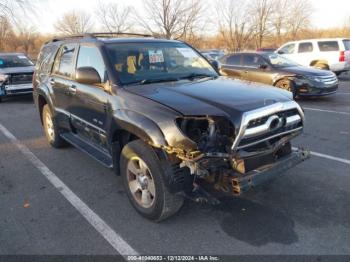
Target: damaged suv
159, 114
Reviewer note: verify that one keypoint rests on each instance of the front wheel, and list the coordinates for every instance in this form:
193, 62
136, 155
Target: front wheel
143, 180
288, 85
51, 129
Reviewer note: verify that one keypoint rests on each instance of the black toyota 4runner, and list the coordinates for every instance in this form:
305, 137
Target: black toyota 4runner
160, 114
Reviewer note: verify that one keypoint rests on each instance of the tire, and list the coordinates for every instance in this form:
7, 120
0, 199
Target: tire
51, 129
321, 66
147, 190
288, 85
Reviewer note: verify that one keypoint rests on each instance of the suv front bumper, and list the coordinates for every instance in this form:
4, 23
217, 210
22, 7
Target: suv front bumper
259, 176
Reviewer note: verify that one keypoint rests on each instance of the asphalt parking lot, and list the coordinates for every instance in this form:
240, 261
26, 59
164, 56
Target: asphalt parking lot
62, 202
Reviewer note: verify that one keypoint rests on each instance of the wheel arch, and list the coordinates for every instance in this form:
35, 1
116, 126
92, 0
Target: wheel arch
319, 61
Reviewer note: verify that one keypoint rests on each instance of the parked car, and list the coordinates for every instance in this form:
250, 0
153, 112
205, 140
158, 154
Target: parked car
213, 54
16, 73
159, 114
276, 70
330, 54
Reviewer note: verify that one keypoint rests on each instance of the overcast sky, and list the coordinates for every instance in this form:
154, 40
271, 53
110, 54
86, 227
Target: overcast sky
327, 13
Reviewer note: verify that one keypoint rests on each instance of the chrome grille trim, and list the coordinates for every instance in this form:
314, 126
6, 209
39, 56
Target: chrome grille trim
265, 111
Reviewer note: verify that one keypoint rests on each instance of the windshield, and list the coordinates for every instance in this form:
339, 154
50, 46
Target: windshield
279, 61
14, 61
155, 62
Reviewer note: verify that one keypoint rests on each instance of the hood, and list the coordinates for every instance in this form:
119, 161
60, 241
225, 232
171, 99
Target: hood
306, 71
220, 96
16, 70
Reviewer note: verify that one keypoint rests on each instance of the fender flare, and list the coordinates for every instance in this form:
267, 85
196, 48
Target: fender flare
139, 125
45, 94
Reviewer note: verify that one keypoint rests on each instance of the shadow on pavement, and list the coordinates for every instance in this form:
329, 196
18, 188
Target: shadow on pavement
254, 223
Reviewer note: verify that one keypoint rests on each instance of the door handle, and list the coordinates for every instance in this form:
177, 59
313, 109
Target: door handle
52, 81
73, 89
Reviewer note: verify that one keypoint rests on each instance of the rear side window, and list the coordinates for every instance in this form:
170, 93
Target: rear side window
327, 46
305, 47
89, 56
234, 60
288, 49
347, 44
45, 59
64, 63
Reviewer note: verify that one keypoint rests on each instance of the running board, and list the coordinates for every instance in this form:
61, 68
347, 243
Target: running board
102, 157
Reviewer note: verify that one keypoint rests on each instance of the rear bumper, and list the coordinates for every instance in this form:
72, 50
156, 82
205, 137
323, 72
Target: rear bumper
256, 177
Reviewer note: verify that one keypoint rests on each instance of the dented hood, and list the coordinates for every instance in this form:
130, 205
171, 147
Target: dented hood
220, 96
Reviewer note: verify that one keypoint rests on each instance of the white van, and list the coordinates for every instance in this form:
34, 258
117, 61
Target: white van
329, 53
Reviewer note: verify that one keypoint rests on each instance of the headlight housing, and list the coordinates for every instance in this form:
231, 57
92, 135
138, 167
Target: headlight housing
3, 78
210, 133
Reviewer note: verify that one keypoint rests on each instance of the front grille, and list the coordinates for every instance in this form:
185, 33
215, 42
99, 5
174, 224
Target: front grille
329, 79
20, 78
262, 120
271, 128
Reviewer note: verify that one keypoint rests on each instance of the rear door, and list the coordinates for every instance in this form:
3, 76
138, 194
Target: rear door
329, 51
90, 102
232, 66
306, 53
62, 81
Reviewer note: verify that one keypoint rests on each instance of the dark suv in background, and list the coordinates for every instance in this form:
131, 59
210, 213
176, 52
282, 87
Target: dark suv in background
159, 114
16, 73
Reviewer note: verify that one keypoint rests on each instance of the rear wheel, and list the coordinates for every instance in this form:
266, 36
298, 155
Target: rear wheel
51, 129
286, 84
143, 180
321, 66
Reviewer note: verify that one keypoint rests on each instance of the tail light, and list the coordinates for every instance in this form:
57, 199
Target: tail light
342, 56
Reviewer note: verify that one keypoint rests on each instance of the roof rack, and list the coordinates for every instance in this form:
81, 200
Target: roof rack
99, 35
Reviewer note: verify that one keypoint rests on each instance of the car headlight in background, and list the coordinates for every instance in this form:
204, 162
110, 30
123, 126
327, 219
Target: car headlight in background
3, 78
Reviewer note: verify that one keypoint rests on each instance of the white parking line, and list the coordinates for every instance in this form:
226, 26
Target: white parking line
327, 111
115, 240
338, 159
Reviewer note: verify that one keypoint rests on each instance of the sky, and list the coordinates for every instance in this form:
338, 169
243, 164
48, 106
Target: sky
327, 13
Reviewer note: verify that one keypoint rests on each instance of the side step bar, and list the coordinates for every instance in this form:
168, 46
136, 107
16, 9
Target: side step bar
97, 154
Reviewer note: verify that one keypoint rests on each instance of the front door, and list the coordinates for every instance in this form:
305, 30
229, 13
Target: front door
90, 102
257, 69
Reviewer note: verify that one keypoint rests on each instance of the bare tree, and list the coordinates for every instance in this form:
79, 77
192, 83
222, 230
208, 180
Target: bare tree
171, 18
279, 19
74, 23
261, 11
25, 38
115, 18
5, 31
299, 16
234, 23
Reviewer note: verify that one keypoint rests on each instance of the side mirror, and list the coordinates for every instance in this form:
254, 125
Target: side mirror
263, 66
87, 75
280, 52
216, 65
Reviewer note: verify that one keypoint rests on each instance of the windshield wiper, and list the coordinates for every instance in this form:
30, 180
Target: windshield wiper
150, 81
197, 75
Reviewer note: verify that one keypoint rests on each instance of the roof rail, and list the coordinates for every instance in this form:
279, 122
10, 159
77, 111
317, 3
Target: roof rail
99, 34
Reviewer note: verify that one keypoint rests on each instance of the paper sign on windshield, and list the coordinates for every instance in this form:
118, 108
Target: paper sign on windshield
187, 52
156, 56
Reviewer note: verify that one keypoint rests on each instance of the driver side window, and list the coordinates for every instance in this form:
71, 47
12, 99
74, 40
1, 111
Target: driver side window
89, 56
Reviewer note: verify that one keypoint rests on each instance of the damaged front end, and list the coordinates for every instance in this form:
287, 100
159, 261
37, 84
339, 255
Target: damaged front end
233, 160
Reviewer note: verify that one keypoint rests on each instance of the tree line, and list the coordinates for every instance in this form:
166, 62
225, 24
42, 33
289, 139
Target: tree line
232, 25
